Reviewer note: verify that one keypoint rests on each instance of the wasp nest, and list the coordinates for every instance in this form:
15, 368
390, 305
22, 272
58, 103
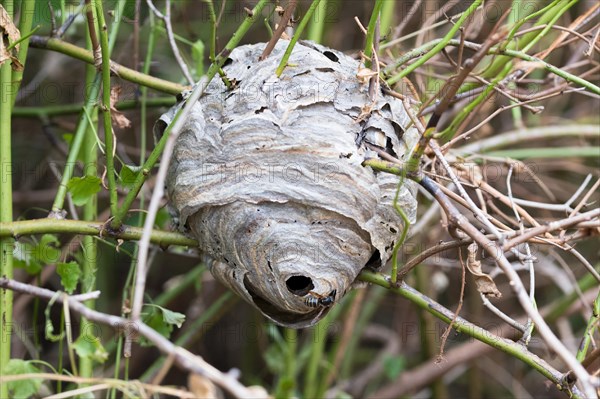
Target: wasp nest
268, 177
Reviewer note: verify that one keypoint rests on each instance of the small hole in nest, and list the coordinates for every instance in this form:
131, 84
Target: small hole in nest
331, 56
299, 285
228, 61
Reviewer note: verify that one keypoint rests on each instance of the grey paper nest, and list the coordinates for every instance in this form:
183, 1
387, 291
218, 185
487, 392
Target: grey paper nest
268, 177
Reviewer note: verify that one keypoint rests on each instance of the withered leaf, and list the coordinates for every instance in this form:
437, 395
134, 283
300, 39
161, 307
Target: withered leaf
10, 34
484, 282
117, 116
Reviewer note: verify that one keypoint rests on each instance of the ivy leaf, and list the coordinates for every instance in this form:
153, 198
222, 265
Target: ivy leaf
82, 188
393, 366
69, 275
89, 347
128, 175
23, 388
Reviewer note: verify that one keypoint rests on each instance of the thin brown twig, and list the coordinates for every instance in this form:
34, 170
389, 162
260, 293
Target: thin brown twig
492, 248
283, 23
166, 18
446, 334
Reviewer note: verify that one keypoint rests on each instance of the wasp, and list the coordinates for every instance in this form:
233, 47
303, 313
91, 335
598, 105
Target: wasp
315, 300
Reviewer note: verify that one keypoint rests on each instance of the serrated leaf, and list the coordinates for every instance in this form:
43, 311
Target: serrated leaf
32, 257
171, 317
393, 366
162, 320
24, 258
83, 188
69, 275
90, 347
154, 319
128, 175
23, 388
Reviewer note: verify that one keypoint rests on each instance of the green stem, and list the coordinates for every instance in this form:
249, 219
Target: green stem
461, 325
371, 31
319, 335
90, 213
559, 308
27, 12
287, 381
6, 213
529, 134
213, 29
80, 133
550, 13
297, 34
212, 71
438, 47
64, 226
494, 50
69, 109
108, 131
592, 325
546, 152
388, 12
121, 71
317, 24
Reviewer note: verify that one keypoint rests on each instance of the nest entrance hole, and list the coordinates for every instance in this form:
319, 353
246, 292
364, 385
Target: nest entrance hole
299, 285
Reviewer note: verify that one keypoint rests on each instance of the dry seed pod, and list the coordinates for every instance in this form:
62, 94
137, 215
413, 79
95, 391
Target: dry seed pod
268, 177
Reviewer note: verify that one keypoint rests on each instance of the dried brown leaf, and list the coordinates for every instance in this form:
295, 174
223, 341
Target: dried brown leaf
10, 34
202, 388
484, 282
117, 116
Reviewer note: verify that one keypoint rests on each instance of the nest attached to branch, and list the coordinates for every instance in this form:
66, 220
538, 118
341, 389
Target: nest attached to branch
268, 177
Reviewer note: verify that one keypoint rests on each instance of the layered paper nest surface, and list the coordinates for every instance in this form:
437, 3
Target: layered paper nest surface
268, 177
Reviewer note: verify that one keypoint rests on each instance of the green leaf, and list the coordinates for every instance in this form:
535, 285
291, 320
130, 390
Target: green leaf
393, 366
25, 259
48, 249
83, 188
128, 175
162, 320
155, 320
23, 388
69, 275
171, 317
68, 138
89, 347
32, 257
